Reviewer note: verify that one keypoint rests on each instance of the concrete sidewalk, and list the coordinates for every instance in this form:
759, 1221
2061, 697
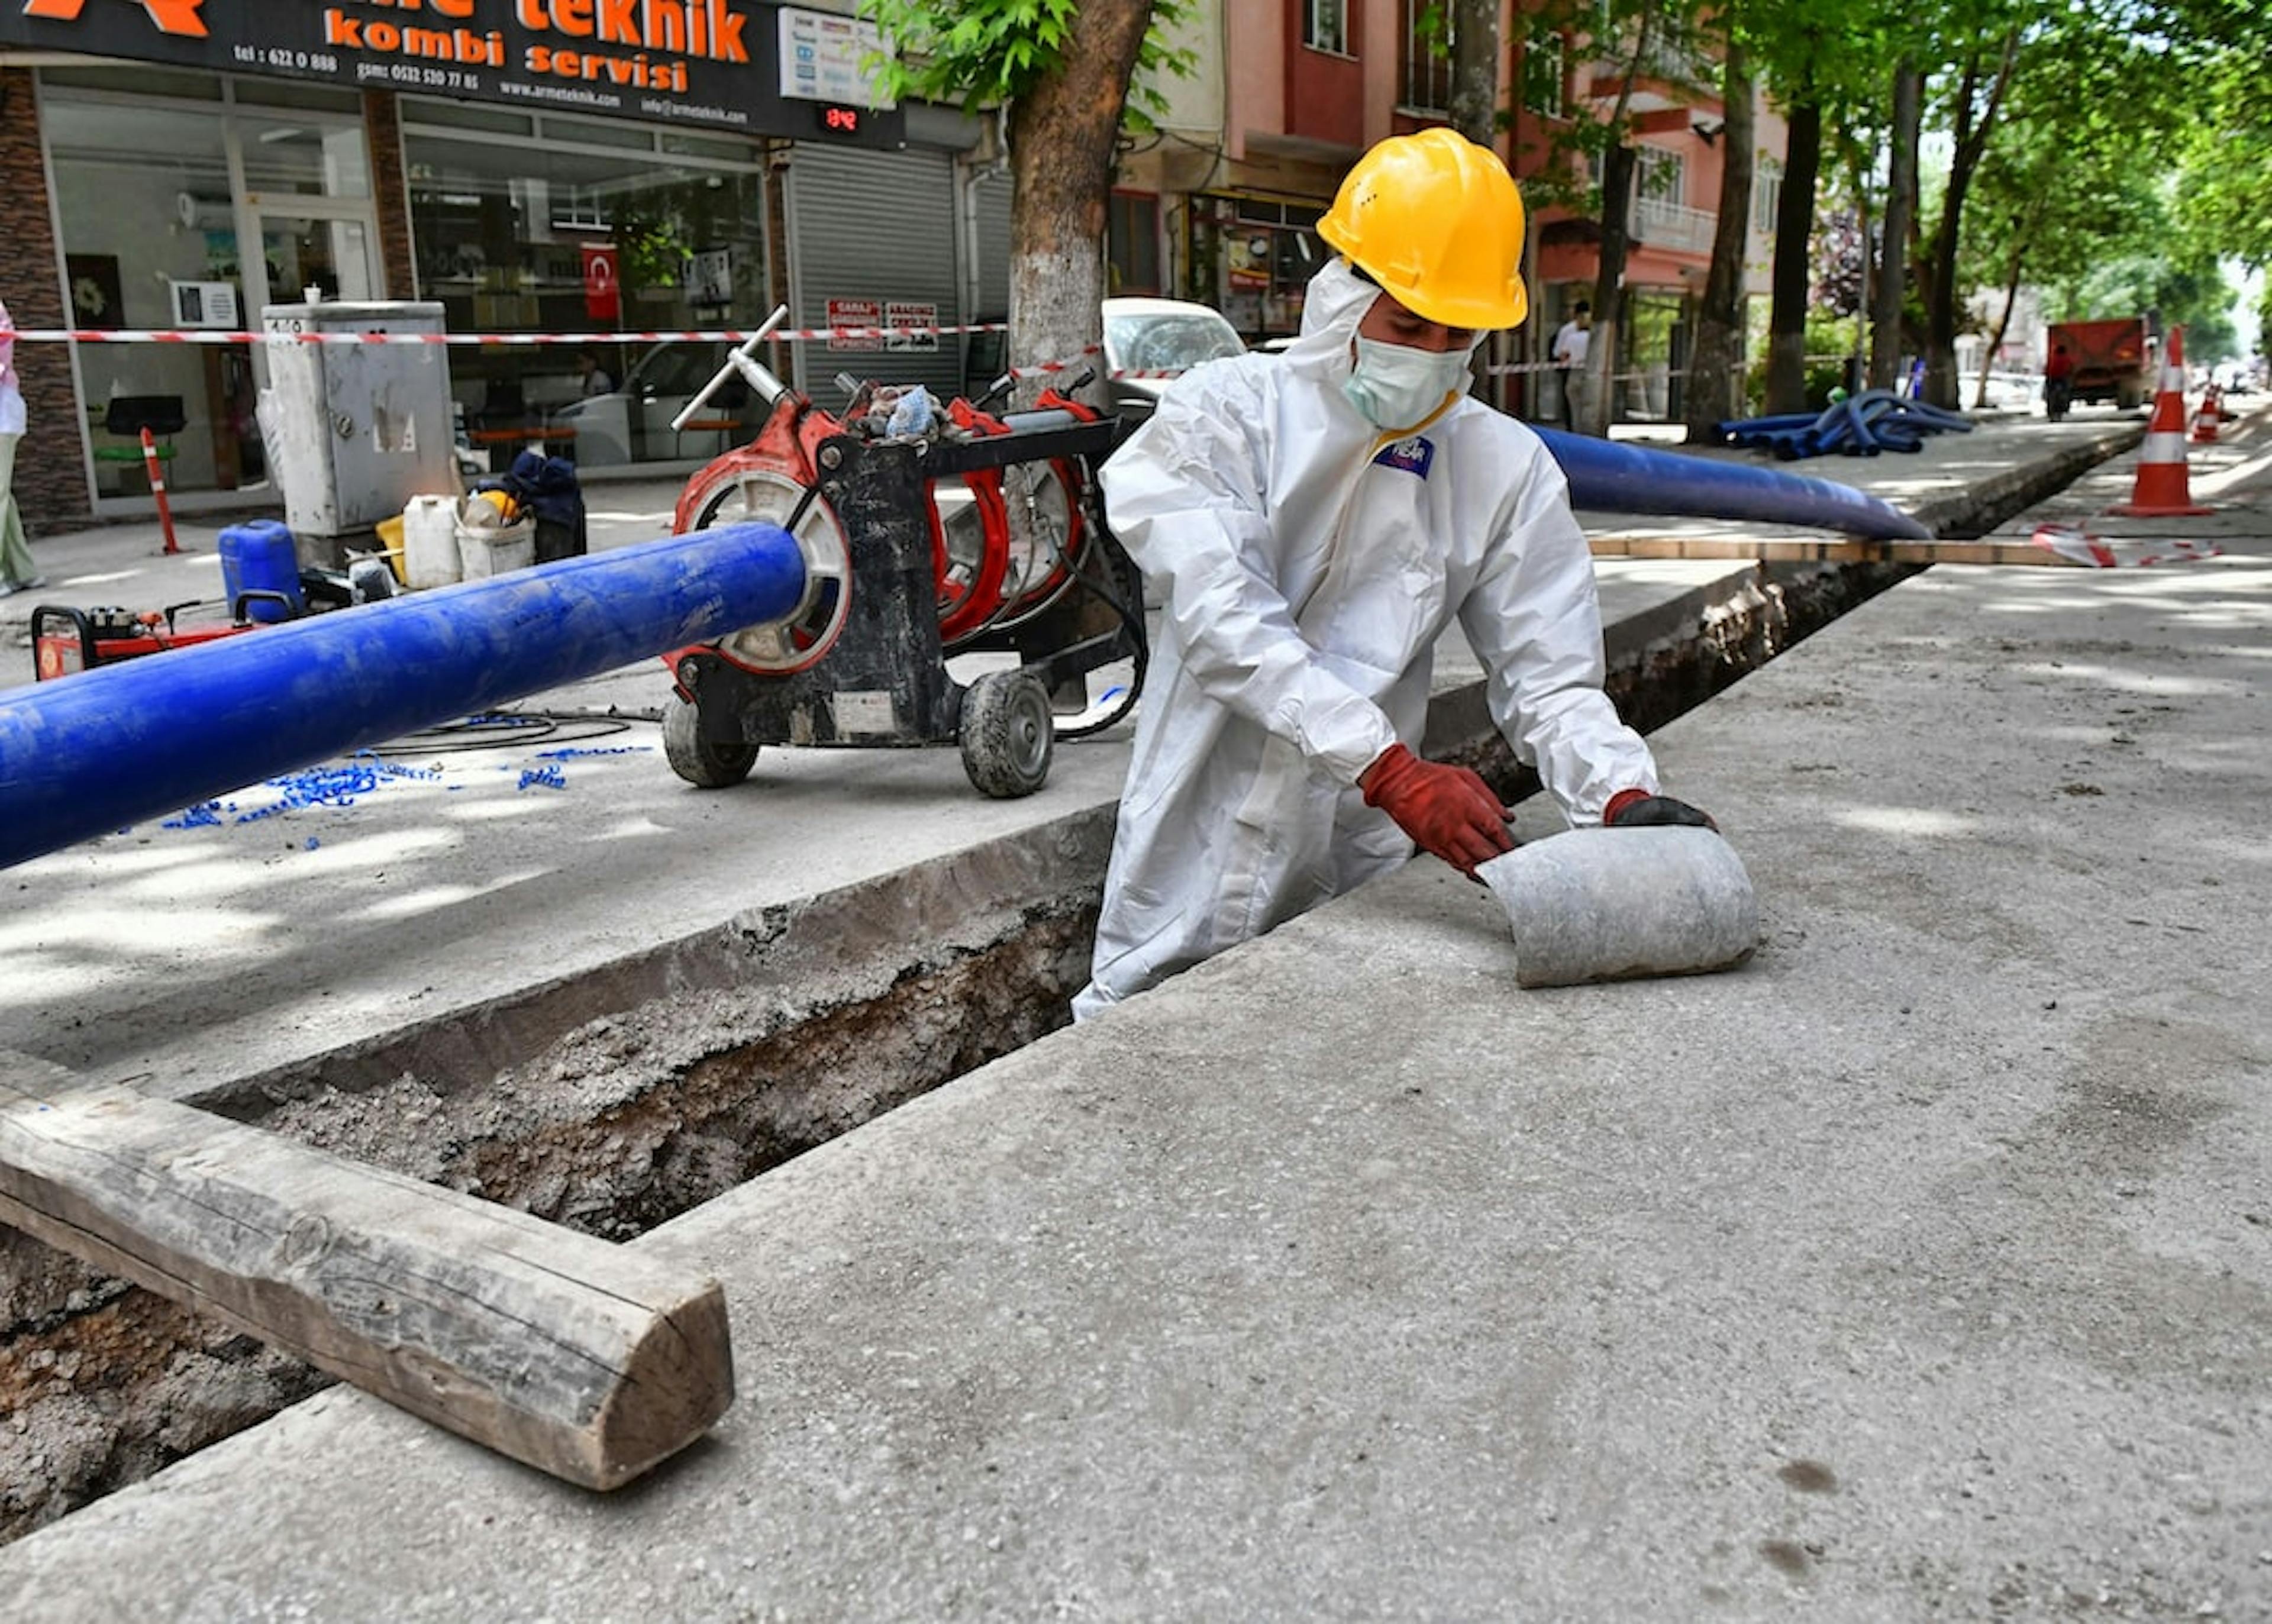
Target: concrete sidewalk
465, 870
1920, 1269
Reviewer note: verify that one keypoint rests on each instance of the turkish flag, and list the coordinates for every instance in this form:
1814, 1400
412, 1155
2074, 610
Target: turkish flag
603, 296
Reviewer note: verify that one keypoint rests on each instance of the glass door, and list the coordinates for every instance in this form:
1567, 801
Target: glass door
301, 255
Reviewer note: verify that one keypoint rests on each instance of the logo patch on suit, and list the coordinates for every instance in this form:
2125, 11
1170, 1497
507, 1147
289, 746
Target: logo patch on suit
1412, 454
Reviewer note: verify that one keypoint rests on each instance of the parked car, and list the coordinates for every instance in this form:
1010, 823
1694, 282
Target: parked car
631, 424
2007, 391
1161, 336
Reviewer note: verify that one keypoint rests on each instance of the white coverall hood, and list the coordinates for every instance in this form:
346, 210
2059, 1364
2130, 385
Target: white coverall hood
1307, 566
1335, 306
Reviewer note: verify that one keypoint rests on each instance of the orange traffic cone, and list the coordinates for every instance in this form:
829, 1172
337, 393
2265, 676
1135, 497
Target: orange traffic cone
2207, 418
2163, 489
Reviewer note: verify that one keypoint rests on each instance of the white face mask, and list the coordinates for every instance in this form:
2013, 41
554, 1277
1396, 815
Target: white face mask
1397, 386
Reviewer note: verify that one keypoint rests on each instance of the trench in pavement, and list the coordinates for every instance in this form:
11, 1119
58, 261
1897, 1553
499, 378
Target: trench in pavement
621, 1098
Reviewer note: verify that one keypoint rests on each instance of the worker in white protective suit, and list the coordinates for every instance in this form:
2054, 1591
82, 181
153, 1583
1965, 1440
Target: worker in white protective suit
1311, 522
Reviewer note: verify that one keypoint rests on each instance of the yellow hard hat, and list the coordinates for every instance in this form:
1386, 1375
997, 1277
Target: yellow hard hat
1436, 221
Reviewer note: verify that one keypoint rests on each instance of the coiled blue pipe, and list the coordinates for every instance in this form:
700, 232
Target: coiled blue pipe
95, 752
1609, 477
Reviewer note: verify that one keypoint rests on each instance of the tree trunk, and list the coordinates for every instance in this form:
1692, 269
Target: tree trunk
1972, 140
1474, 111
1715, 358
1475, 71
1900, 213
1062, 137
1793, 273
1599, 404
1598, 409
2003, 322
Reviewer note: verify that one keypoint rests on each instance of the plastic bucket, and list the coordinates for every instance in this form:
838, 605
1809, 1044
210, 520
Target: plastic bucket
485, 549
430, 542
389, 542
258, 556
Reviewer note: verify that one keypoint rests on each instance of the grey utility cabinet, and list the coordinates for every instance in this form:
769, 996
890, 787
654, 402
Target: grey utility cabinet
355, 429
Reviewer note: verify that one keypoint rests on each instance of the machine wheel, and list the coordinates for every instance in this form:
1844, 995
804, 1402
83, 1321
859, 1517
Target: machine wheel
1008, 735
706, 763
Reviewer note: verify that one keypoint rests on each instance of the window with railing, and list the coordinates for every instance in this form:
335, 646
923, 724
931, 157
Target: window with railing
1426, 82
1674, 53
1324, 25
1766, 195
1543, 75
1660, 175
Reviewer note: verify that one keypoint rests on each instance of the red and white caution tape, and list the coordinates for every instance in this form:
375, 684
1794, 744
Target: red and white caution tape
1051, 369
2078, 546
1513, 367
152, 335
728, 335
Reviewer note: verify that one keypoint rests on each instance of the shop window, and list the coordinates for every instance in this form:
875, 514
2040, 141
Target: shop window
561, 238
141, 79
1132, 241
298, 93
309, 159
142, 195
1324, 25
1258, 256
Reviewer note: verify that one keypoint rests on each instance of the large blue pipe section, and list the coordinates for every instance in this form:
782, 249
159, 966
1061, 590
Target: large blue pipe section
90, 753
1608, 477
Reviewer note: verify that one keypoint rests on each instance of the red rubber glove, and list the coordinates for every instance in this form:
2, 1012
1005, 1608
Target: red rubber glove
1449, 811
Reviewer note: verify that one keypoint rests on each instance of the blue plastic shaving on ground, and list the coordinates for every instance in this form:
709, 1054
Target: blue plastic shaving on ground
321, 786
549, 777
571, 751
313, 842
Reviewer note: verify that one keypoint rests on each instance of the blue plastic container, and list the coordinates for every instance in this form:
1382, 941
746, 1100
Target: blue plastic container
258, 556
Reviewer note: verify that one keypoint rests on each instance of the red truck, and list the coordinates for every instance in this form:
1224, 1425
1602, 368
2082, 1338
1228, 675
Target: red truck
2111, 359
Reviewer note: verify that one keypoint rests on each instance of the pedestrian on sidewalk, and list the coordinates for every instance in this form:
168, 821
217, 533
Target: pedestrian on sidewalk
17, 570
1314, 521
2059, 383
1571, 339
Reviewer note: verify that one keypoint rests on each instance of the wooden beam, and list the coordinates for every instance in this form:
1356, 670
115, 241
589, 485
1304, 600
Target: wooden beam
1841, 550
581, 1358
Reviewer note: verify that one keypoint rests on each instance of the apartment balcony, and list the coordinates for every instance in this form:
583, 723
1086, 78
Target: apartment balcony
1672, 226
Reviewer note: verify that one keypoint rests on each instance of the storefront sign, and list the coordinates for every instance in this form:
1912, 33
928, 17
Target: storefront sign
714, 62
924, 317
855, 313
710, 277
822, 59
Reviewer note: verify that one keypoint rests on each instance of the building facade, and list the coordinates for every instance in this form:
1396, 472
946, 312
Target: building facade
516, 164
1219, 203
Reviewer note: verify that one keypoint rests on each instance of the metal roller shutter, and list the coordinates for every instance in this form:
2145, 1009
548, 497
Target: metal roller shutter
879, 227
994, 244
988, 353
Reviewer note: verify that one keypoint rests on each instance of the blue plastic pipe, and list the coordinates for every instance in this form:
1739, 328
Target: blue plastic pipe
1609, 477
85, 754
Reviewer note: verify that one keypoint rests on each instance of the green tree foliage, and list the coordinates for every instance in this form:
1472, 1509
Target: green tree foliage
2223, 195
1060, 72
983, 54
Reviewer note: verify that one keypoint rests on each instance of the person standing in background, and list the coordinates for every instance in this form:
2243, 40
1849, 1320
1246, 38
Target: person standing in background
2059, 383
1571, 340
17, 570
